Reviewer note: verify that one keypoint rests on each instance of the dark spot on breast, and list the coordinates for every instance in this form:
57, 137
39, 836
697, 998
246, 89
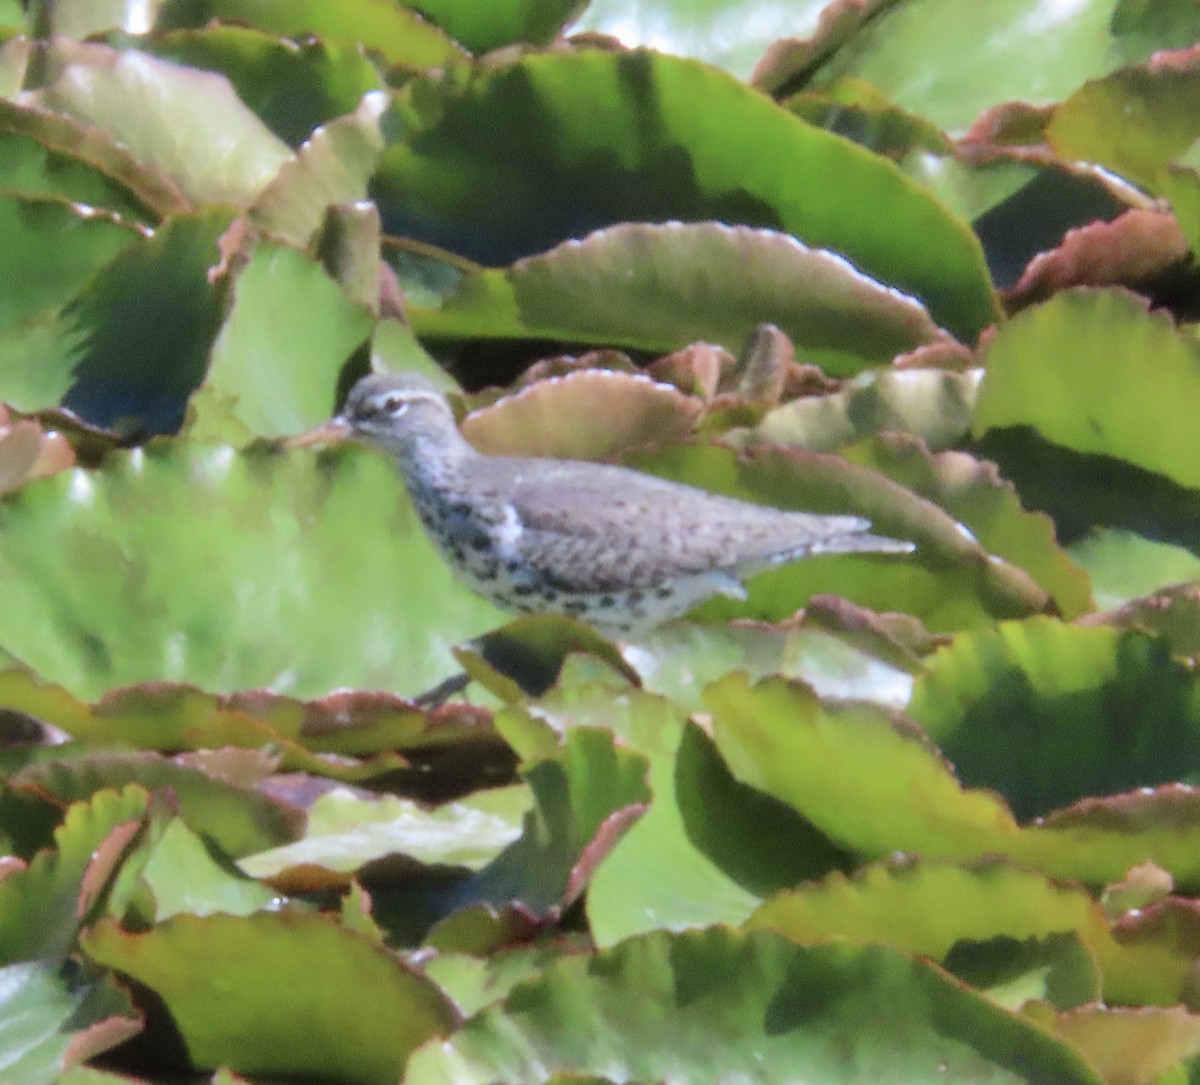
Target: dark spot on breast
480, 541
575, 606
664, 592
606, 601
523, 589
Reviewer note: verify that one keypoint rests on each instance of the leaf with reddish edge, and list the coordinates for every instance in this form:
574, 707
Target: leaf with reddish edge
1159, 943
1135, 120
28, 451
726, 844
1135, 249
39, 906
873, 782
926, 907
82, 163
53, 1017
587, 415
280, 994
239, 820
1134, 1047
586, 796
318, 736
169, 716
1172, 615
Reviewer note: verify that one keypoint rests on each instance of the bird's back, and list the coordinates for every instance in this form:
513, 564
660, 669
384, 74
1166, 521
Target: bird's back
610, 527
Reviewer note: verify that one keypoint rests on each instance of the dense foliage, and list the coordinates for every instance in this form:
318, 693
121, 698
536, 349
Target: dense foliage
926, 818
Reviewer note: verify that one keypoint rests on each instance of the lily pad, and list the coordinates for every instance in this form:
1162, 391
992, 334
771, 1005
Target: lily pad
1095, 372
126, 351
1048, 714
589, 414
243, 991
230, 571
949, 63
652, 1007
52, 1017
658, 287
188, 123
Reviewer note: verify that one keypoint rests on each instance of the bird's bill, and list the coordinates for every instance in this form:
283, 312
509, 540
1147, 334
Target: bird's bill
332, 432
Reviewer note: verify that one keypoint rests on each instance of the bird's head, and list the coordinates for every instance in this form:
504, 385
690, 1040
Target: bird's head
387, 410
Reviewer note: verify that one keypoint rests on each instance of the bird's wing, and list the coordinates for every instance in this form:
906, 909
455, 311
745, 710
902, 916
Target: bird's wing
610, 528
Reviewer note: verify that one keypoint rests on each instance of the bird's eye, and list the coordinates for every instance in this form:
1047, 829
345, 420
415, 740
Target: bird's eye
394, 405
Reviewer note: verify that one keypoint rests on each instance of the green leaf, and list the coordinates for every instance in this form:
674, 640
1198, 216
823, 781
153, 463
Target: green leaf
721, 1005
184, 877
188, 123
978, 497
324, 80
724, 844
40, 906
346, 832
586, 796
48, 250
46, 154
730, 34
868, 779
1096, 372
332, 168
677, 660
127, 350
276, 359
934, 404
238, 819
280, 994
1133, 122
398, 34
528, 154
874, 783
484, 27
51, 1016
1048, 714
949, 62
229, 572
657, 288
928, 908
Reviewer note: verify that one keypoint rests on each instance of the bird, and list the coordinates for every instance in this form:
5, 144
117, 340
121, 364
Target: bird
620, 550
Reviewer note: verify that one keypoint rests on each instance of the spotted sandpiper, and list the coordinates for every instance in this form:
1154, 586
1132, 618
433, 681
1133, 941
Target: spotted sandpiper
618, 549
